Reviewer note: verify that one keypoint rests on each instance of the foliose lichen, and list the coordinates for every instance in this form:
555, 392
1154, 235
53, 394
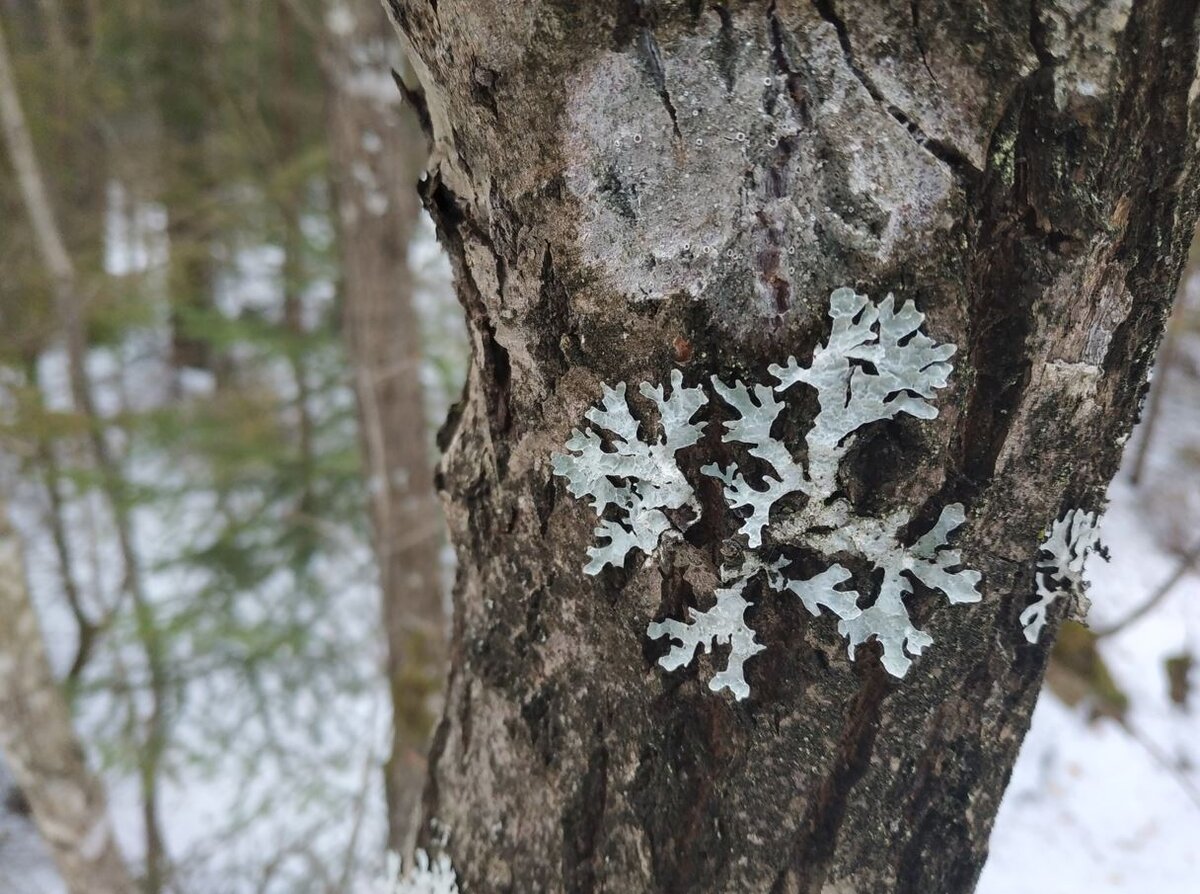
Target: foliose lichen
876, 364
1065, 550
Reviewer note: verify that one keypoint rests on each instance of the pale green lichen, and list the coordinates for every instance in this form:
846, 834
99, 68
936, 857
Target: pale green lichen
648, 481
876, 364
1071, 540
723, 624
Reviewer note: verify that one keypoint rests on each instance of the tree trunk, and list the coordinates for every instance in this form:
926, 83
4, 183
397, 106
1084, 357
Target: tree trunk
376, 153
187, 104
631, 188
71, 312
40, 744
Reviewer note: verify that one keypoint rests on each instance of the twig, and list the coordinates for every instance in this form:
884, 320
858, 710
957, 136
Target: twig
1181, 571
1164, 762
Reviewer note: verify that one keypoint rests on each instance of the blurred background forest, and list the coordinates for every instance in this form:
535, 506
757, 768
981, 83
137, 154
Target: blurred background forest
227, 336
193, 397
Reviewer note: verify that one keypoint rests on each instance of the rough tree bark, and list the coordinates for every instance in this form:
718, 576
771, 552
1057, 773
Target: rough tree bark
1025, 173
376, 154
40, 744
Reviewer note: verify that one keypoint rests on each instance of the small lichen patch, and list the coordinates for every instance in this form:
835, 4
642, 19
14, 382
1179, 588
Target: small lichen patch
427, 875
638, 479
1066, 548
723, 624
1084, 36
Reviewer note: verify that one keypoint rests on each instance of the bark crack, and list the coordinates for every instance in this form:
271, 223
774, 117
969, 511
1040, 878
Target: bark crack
635, 15
450, 221
808, 863
583, 821
1037, 36
727, 46
795, 83
915, 9
958, 163
658, 72
415, 99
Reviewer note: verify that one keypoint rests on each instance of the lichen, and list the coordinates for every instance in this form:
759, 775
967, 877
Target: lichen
723, 624
928, 561
908, 367
427, 875
876, 364
650, 482
673, 201
1066, 548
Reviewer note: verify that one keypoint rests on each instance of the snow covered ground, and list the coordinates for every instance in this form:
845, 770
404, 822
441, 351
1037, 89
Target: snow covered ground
1089, 807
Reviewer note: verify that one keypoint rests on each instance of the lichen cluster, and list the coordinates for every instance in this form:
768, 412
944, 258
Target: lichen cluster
875, 365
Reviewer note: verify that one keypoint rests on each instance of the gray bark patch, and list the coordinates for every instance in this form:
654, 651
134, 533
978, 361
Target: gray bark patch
753, 166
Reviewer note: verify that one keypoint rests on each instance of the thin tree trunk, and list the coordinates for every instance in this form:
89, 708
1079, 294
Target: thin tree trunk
292, 273
40, 744
69, 307
630, 188
47, 457
187, 101
377, 153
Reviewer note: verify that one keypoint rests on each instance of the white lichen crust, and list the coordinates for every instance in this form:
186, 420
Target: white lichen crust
426, 876
1071, 540
875, 365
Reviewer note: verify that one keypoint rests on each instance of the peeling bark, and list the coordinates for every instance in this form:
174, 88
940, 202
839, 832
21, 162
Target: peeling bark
636, 186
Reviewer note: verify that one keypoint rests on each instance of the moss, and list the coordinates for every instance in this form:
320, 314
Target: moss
414, 684
1078, 673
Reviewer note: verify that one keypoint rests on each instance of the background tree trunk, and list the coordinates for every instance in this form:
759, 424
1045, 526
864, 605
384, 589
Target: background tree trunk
41, 747
188, 106
629, 187
69, 306
377, 153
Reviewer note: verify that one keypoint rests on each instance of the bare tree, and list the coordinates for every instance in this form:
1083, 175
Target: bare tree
632, 189
377, 153
39, 741
70, 310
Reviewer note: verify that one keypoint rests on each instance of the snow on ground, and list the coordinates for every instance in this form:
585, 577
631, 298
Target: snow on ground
1089, 808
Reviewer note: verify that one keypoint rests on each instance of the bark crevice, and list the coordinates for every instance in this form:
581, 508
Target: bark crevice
957, 161
808, 863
